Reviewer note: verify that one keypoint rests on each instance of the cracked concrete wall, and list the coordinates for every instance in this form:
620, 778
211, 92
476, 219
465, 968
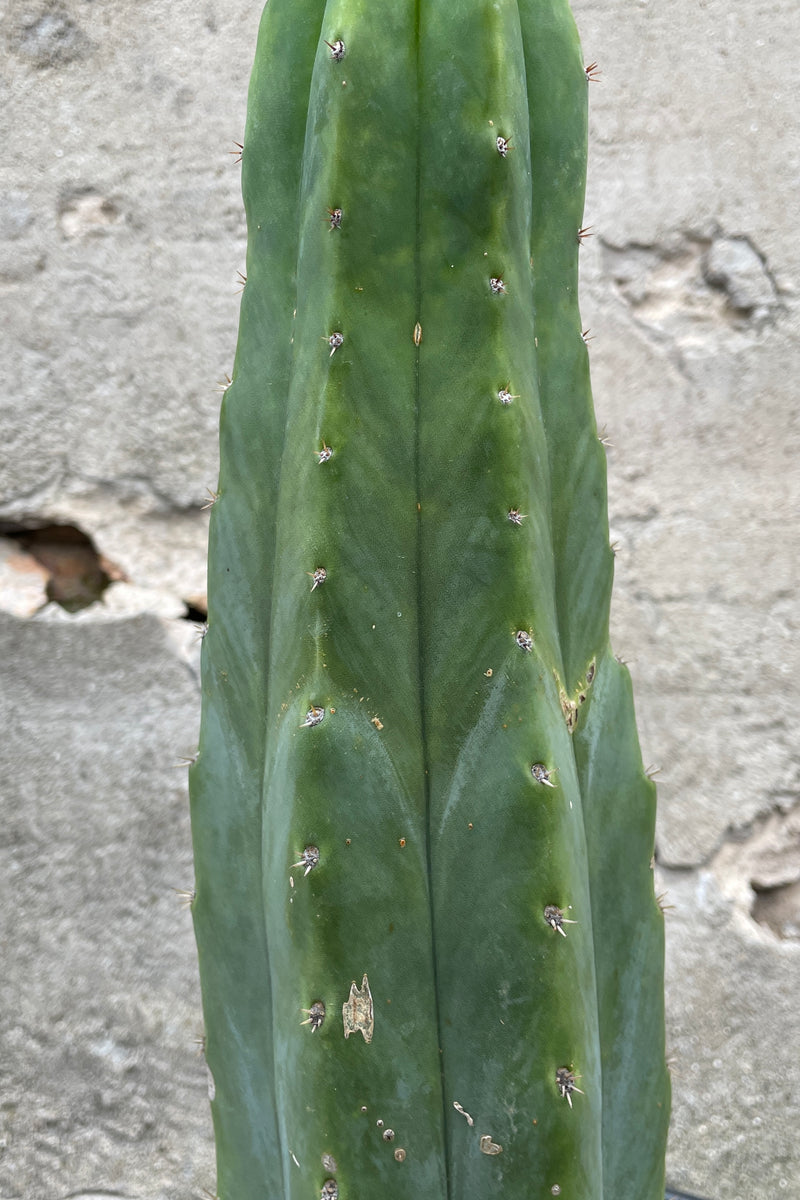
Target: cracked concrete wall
121, 232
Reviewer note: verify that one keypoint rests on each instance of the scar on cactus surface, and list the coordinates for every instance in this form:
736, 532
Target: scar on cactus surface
419, 813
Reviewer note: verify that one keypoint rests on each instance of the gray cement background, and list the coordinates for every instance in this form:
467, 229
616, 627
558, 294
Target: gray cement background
121, 233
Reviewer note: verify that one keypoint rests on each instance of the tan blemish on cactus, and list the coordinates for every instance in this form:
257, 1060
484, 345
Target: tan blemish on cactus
570, 710
314, 716
324, 454
334, 340
315, 1016
319, 576
554, 916
329, 1164
376, 721
542, 775
357, 1011
337, 49
488, 1146
515, 516
309, 859
503, 146
417, 334
399, 1154
334, 218
498, 286
524, 640
401, 843
591, 671
463, 1112
565, 1081
505, 396
489, 673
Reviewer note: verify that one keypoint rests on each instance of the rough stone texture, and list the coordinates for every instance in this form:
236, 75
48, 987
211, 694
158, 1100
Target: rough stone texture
101, 1084
121, 233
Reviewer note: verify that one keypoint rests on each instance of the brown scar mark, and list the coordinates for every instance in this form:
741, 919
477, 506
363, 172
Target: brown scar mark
488, 1146
357, 1011
463, 1112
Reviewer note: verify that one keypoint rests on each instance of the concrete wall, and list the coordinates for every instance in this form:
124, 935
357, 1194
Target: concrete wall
121, 233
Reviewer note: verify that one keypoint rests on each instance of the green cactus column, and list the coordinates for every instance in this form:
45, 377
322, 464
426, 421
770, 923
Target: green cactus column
429, 947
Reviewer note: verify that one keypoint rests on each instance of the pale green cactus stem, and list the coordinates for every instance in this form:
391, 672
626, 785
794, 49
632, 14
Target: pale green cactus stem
430, 951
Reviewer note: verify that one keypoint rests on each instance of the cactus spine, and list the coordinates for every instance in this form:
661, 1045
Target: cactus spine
430, 950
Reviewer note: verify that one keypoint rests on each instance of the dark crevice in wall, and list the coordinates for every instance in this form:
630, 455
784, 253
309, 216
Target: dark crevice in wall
194, 612
78, 574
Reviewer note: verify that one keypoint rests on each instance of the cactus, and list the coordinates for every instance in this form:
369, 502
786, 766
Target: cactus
430, 951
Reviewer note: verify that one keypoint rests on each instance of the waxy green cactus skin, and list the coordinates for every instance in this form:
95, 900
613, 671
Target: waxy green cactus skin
458, 638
